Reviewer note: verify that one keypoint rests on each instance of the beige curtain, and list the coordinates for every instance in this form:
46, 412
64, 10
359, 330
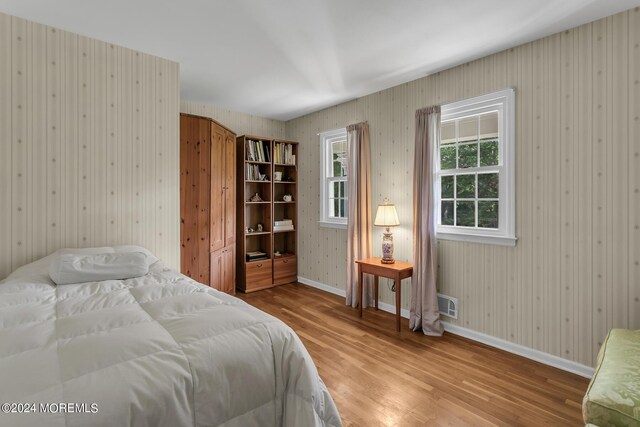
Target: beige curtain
424, 298
359, 217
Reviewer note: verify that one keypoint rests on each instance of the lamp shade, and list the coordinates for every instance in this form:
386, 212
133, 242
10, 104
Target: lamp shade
386, 216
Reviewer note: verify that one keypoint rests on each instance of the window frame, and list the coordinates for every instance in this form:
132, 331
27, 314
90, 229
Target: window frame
502, 101
325, 180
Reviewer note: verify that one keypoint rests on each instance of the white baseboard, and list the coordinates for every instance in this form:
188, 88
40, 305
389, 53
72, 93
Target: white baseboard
520, 350
322, 286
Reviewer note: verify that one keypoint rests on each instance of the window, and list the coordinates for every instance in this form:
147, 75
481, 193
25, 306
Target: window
474, 170
333, 179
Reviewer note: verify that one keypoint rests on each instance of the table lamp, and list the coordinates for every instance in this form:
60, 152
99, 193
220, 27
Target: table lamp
386, 216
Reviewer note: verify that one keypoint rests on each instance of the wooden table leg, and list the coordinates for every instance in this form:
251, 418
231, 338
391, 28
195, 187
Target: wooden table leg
398, 291
375, 290
360, 276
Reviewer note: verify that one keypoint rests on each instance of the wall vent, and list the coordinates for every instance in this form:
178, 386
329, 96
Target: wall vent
448, 306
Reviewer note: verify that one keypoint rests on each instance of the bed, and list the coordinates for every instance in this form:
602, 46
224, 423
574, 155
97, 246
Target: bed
156, 350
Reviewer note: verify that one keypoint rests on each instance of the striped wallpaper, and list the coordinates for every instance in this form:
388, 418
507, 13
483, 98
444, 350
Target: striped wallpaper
575, 272
89, 157
88, 145
240, 123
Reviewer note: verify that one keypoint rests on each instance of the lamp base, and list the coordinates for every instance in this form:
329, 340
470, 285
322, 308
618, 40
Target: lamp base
387, 247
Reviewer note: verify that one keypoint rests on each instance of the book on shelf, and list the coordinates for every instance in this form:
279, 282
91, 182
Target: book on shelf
252, 172
283, 154
256, 256
258, 151
283, 228
282, 222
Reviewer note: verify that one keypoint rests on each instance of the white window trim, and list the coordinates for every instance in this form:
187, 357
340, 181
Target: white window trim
325, 219
504, 101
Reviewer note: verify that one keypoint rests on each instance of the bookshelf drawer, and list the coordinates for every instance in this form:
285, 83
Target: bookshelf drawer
259, 273
285, 270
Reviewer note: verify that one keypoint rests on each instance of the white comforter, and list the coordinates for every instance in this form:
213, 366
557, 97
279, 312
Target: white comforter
159, 350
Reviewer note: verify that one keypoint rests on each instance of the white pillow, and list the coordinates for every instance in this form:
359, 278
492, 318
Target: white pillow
151, 258
80, 268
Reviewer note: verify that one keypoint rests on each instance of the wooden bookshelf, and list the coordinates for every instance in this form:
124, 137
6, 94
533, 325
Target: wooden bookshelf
268, 167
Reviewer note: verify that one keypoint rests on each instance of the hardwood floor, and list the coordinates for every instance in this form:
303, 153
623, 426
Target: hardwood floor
379, 377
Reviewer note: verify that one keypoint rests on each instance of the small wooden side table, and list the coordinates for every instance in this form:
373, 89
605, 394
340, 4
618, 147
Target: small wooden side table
396, 271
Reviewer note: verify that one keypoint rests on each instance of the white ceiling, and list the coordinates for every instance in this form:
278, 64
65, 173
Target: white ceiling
285, 58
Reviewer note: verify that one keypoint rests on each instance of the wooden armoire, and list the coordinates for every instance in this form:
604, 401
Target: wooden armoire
208, 202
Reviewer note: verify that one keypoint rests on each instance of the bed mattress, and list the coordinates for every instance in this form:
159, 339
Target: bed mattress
158, 350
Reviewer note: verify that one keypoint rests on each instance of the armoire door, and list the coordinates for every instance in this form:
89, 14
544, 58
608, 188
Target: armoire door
229, 268
230, 189
223, 270
216, 280
218, 177
194, 197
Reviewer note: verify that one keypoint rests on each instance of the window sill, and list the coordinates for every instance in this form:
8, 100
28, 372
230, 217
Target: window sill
475, 238
338, 225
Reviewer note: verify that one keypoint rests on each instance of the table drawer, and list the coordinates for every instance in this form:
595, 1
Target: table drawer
259, 273
285, 270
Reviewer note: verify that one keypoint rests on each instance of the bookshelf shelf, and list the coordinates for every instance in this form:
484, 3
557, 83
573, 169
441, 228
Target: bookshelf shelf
269, 168
258, 261
284, 231
257, 233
